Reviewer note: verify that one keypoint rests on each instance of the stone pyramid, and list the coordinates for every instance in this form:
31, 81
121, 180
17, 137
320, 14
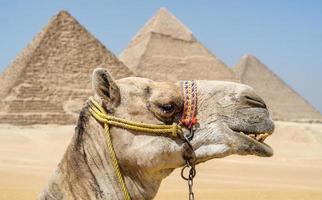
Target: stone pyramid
165, 50
49, 81
284, 103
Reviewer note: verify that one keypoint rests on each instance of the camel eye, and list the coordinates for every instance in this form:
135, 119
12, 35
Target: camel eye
168, 108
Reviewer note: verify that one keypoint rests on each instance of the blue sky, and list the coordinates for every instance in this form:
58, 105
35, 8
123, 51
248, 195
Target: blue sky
285, 35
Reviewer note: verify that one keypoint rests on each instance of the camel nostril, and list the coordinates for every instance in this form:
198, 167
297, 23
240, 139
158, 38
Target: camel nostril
255, 101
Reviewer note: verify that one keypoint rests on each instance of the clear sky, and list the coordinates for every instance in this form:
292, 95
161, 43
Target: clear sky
285, 35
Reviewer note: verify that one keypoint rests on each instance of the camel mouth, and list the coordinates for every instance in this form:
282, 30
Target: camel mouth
255, 143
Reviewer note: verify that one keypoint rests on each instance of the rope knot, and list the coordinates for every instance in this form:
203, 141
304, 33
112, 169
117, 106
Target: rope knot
176, 130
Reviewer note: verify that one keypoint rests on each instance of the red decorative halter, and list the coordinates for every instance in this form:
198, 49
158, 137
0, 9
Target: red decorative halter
188, 118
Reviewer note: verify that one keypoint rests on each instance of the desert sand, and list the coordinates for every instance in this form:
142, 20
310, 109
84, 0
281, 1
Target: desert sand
29, 154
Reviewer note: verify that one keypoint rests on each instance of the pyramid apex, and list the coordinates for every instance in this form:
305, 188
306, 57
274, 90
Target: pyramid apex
246, 61
163, 9
63, 13
165, 23
249, 56
249, 60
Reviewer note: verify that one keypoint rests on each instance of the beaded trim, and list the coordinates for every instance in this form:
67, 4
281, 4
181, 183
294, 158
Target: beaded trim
189, 89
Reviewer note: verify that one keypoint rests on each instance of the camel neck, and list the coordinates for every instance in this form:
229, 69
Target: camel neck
86, 171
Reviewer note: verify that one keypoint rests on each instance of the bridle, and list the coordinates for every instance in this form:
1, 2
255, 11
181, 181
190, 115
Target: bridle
188, 120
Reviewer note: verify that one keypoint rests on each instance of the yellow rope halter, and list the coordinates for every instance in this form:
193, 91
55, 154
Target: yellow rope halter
100, 115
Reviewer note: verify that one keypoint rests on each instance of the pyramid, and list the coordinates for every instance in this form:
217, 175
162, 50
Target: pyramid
49, 81
285, 104
165, 50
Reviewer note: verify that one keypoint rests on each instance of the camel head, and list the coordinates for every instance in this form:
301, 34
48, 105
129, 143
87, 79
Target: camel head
232, 119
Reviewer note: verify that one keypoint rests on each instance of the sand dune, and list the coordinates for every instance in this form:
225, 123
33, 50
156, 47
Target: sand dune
28, 156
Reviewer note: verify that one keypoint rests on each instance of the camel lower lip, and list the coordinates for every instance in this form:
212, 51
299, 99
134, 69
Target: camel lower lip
266, 150
257, 147
262, 149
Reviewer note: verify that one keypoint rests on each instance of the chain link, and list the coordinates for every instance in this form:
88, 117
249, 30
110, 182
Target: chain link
189, 165
192, 174
189, 178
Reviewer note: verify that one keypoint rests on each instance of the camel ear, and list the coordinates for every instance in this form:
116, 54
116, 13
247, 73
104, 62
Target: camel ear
105, 87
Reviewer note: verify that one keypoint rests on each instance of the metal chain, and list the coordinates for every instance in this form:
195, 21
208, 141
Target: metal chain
189, 178
189, 165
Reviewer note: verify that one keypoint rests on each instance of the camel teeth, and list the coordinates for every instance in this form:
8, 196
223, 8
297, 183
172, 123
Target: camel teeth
252, 136
265, 135
260, 137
